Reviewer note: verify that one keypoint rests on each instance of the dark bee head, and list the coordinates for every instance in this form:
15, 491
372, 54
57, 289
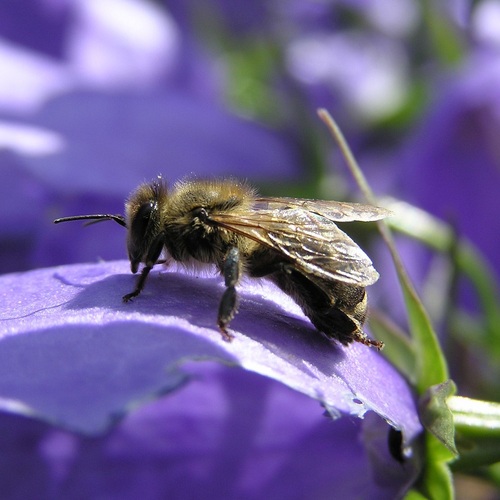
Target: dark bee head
143, 221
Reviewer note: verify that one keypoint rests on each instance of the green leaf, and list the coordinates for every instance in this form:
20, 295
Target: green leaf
415, 495
431, 368
478, 432
476, 418
443, 34
251, 65
436, 480
437, 418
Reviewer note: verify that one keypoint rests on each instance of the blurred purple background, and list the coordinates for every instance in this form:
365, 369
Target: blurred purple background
98, 96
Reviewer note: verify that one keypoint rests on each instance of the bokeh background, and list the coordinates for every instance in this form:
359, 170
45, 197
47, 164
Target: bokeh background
98, 96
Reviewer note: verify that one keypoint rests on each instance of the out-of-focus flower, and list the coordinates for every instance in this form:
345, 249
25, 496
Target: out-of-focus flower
72, 354
122, 43
370, 73
486, 24
451, 164
98, 46
116, 107
93, 149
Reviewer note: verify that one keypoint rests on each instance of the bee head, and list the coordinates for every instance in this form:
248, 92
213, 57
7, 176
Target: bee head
143, 221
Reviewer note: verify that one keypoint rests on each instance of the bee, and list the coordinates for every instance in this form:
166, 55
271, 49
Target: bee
295, 243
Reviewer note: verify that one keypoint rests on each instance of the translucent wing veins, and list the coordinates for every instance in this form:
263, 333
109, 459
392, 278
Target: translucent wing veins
304, 231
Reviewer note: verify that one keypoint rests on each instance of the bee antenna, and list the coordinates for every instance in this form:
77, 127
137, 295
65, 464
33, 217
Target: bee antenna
93, 219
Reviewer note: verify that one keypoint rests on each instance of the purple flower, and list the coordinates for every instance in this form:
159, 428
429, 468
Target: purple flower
73, 355
111, 45
449, 165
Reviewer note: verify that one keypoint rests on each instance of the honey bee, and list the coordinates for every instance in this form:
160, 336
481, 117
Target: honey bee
295, 243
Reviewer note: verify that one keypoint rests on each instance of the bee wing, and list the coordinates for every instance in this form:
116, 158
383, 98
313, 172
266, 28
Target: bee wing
336, 211
312, 241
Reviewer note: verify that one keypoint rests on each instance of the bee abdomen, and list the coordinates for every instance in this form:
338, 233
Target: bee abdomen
337, 309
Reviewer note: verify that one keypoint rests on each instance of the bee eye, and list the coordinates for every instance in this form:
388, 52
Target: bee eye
141, 219
140, 233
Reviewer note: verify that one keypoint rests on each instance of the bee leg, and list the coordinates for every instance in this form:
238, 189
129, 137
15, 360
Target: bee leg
140, 284
152, 259
229, 304
360, 336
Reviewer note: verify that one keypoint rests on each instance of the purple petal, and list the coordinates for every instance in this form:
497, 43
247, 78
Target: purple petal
76, 317
229, 433
73, 354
